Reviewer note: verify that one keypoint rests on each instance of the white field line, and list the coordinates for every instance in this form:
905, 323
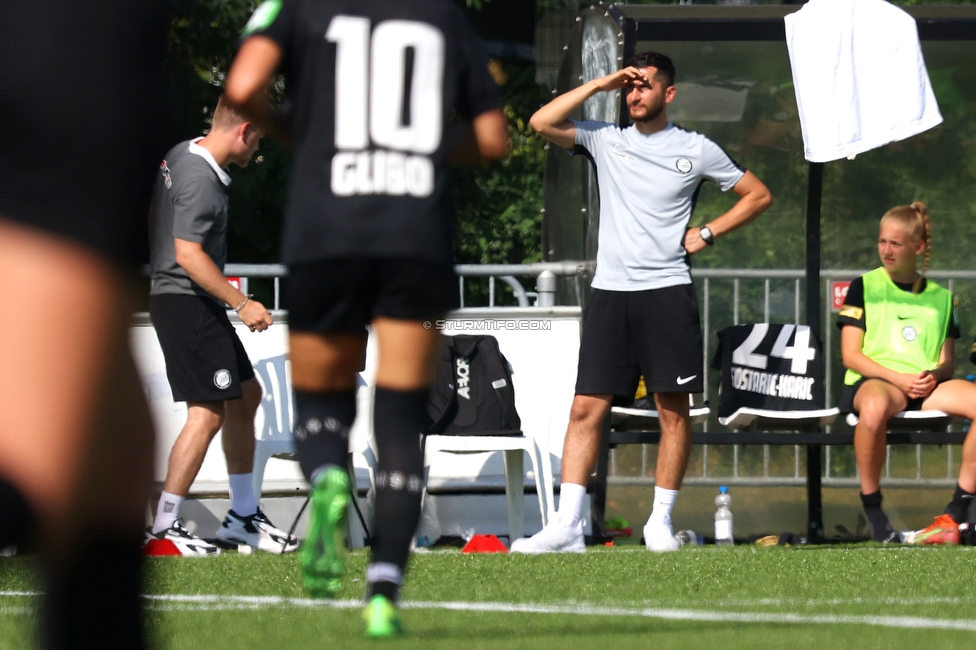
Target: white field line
842, 548
821, 602
263, 601
179, 602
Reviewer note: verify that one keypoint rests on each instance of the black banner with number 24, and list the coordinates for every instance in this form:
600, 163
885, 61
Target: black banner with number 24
769, 366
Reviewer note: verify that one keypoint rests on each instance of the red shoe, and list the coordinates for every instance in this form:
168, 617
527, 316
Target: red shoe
944, 530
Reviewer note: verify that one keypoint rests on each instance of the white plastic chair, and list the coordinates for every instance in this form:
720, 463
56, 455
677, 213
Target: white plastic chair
513, 448
275, 439
273, 433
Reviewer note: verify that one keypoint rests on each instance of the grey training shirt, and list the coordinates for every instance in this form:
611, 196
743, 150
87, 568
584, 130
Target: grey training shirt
189, 203
648, 185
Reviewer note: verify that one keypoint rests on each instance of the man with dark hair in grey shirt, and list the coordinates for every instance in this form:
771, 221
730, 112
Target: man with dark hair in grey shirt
206, 363
642, 317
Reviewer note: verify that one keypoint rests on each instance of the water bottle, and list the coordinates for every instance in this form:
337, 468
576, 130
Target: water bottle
723, 518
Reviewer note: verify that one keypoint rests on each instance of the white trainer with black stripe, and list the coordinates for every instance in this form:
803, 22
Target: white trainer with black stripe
188, 544
256, 531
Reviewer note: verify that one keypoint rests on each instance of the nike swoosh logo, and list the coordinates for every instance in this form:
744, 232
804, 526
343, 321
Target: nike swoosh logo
684, 380
903, 317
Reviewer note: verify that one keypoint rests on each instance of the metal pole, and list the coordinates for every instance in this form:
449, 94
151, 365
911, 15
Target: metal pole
814, 468
545, 284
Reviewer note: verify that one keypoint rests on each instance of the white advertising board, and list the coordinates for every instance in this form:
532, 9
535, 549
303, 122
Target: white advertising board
542, 346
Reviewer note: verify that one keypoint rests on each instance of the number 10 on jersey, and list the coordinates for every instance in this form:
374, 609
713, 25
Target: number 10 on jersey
382, 99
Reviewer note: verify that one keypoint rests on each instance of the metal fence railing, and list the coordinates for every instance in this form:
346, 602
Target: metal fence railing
733, 296
727, 297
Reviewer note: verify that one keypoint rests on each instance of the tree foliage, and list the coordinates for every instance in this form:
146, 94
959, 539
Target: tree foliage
497, 205
202, 40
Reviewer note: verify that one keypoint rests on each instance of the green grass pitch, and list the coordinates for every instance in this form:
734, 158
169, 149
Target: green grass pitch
860, 596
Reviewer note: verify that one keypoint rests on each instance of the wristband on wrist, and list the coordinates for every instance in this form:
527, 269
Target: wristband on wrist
239, 307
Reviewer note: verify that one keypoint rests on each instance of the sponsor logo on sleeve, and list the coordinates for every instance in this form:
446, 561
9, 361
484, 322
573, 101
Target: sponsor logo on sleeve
167, 177
852, 312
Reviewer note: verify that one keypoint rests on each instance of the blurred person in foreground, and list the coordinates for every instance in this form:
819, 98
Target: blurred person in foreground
898, 335
80, 102
206, 363
368, 240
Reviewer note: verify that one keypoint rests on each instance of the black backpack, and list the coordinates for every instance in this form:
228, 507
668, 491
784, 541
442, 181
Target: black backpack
473, 393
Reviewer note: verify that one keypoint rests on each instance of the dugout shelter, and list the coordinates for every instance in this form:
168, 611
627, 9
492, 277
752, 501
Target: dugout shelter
734, 84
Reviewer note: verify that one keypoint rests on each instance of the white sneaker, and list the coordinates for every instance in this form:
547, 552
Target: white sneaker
660, 538
188, 544
256, 531
554, 538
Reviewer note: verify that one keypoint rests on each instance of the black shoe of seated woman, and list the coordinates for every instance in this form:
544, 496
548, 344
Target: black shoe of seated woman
881, 530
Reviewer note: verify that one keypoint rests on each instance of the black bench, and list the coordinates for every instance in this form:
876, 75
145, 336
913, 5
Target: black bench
915, 433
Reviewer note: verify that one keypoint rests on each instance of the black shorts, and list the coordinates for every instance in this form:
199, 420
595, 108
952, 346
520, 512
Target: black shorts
847, 398
205, 359
343, 296
656, 333
82, 97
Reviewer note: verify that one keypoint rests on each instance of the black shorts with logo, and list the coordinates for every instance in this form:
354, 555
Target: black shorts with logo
343, 296
656, 333
205, 359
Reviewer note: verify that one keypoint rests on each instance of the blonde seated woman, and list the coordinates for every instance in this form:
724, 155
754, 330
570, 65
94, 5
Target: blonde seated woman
898, 334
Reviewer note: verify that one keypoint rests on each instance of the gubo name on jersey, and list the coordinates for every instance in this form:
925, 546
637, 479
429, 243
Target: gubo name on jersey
381, 172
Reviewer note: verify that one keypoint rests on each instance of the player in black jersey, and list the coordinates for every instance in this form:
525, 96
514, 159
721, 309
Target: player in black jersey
79, 109
368, 239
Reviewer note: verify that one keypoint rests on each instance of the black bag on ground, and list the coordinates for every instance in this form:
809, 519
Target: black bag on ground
472, 393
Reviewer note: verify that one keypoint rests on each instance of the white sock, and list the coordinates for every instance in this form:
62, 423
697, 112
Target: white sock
242, 494
384, 572
167, 511
571, 498
663, 504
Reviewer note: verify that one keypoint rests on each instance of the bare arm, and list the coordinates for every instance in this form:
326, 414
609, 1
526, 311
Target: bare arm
250, 76
925, 383
484, 138
754, 199
202, 270
552, 120
947, 361
851, 340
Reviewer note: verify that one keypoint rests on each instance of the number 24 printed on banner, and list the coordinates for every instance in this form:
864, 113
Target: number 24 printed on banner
799, 353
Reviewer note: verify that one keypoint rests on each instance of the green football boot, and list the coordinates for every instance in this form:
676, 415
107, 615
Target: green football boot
323, 553
382, 619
